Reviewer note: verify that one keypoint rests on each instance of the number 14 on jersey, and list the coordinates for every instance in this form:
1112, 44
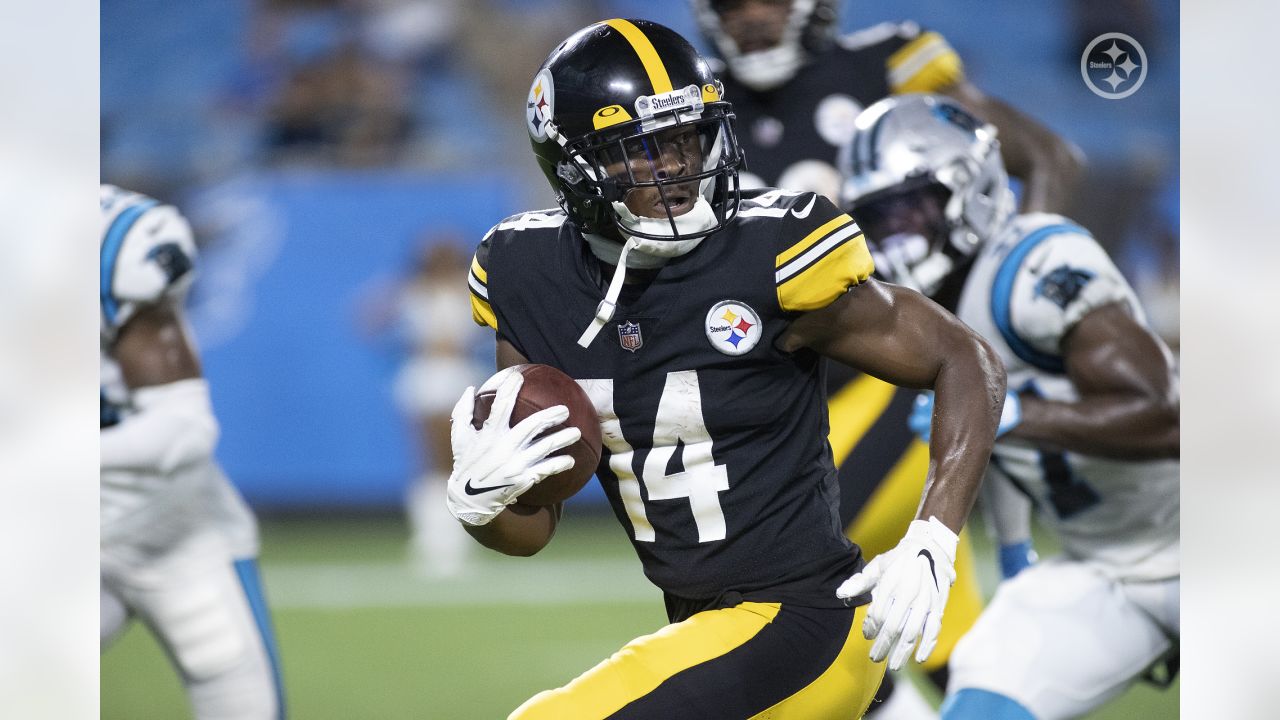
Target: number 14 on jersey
679, 424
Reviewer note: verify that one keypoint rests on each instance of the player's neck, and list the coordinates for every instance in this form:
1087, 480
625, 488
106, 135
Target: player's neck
634, 277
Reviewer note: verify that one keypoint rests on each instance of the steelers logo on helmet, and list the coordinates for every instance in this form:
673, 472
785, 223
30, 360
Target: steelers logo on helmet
540, 105
733, 327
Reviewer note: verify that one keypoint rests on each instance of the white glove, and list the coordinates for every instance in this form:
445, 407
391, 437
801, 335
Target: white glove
909, 586
494, 465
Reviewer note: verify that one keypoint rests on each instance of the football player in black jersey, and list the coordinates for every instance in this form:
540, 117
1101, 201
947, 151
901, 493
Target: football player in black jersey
702, 362
796, 89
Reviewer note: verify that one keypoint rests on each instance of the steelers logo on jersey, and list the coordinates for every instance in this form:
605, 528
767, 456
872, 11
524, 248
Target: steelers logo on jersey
732, 327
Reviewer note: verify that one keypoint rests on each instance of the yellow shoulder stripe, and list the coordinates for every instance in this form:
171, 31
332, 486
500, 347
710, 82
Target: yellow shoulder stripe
925, 64
926, 41
786, 255
648, 55
482, 312
831, 267
478, 284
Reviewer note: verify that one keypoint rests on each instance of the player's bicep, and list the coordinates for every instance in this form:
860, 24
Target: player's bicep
153, 347
1109, 352
888, 331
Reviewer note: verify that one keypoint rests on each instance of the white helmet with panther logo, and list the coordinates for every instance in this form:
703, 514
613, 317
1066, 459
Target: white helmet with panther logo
908, 143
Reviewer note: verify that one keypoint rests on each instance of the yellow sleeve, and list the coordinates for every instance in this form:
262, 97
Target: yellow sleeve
823, 266
478, 282
927, 63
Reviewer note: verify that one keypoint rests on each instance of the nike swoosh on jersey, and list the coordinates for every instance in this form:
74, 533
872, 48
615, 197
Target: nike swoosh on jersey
807, 208
469, 489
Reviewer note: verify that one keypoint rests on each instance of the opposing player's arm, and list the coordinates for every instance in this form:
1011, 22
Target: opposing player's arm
173, 423
1048, 166
1129, 401
153, 347
1007, 511
904, 338
519, 529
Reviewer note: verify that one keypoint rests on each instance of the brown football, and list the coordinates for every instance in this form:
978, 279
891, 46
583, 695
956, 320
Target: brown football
544, 387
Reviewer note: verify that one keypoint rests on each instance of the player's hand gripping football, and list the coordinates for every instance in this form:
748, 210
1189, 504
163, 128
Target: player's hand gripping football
909, 586
492, 466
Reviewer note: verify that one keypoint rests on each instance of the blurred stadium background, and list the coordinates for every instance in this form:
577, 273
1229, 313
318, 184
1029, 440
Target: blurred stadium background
318, 146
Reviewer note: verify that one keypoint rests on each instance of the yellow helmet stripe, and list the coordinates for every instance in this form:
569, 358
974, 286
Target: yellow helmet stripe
648, 55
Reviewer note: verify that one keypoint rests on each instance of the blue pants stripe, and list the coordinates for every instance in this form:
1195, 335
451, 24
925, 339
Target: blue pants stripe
975, 704
247, 571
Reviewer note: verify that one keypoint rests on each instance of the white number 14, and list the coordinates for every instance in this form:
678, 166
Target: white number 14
679, 422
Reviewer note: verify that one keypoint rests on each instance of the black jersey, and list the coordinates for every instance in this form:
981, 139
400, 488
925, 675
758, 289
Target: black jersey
791, 134
716, 457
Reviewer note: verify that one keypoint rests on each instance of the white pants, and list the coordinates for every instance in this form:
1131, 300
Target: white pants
1061, 638
206, 608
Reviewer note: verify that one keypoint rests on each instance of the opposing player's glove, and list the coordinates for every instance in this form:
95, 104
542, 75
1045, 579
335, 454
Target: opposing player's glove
921, 419
909, 586
492, 466
1016, 557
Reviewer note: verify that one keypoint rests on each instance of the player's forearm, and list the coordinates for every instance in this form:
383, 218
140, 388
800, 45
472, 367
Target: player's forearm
1118, 427
520, 530
969, 393
1050, 170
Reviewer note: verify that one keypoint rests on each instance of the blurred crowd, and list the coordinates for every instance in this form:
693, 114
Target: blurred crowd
423, 84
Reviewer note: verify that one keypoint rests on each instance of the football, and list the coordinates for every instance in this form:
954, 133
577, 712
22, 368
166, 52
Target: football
545, 386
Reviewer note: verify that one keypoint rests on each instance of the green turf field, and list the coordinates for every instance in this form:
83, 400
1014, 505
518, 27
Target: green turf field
364, 637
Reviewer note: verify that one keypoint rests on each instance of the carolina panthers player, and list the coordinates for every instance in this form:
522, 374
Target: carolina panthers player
796, 89
702, 361
1090, 430
178, 544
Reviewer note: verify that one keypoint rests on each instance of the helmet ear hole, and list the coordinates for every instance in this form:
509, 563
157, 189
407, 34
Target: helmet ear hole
609, 190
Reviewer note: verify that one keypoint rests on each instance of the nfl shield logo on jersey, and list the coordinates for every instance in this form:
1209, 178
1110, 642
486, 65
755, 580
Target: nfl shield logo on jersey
732, 327
629, 336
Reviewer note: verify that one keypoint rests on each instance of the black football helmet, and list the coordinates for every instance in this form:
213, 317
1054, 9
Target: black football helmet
624, 105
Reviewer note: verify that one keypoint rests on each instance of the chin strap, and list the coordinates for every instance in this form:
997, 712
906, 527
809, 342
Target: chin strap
604, 311
767, 70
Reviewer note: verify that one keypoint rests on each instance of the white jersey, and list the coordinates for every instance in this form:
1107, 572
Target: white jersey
1028, 288
147, 257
